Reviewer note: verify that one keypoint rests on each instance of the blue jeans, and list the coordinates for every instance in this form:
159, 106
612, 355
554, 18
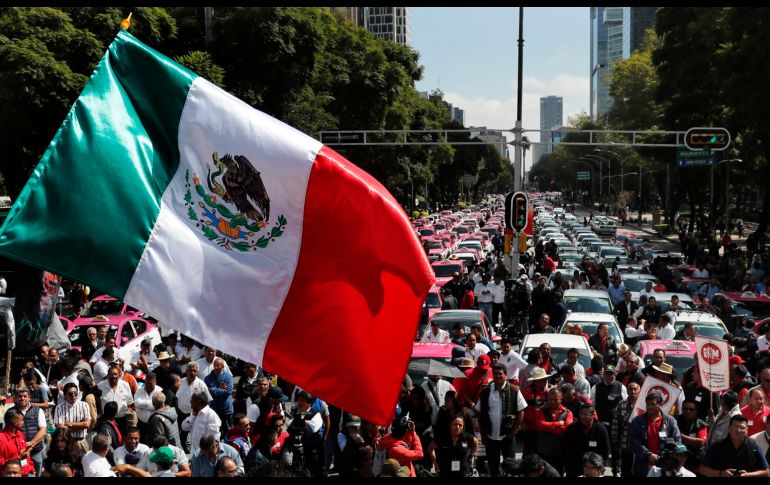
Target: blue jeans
506, 446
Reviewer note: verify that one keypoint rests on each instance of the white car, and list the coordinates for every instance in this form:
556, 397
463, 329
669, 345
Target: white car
560, 343
590, 322
602, 225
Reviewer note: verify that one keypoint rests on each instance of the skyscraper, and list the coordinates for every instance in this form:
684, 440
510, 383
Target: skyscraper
599, 63
635, 21
551, 117
390, 23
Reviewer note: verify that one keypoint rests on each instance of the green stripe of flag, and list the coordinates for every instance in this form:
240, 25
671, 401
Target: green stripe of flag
95, 195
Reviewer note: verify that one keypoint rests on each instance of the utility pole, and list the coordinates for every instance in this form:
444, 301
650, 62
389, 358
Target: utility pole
208, 15
518, 183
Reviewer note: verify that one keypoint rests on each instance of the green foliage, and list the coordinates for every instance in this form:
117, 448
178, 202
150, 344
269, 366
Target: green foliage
201, 63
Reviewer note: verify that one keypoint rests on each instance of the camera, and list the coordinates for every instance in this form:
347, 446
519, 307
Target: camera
667, 462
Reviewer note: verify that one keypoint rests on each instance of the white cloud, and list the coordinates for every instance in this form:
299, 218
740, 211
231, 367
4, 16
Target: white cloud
500, 113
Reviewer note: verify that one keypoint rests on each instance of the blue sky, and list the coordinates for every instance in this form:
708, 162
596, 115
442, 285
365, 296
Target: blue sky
471, 55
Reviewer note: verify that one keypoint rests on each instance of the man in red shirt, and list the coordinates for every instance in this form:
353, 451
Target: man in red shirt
756, 411
13, 445
548, 265
550, 423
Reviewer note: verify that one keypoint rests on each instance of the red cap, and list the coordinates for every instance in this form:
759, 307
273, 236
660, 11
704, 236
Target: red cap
484, 361
737, 360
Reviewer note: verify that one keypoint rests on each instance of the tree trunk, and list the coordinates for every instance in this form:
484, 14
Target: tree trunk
765, 215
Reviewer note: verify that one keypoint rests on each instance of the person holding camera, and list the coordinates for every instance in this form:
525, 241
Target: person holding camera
402, 444
306, 435
648, 433
671, 462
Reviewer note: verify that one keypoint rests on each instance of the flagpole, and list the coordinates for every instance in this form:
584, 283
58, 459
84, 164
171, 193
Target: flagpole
8, 371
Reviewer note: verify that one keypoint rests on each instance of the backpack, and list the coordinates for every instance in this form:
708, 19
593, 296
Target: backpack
380, 456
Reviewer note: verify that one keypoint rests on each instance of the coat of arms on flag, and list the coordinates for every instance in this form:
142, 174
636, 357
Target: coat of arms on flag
235, 182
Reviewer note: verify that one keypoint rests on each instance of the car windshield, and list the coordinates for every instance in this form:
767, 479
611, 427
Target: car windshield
460, 230
680, 362
79, 333
589, 328
760, 309
559, 355
102, 307
432, 300
705, 329
444, 270
666, 305
435, 245
587, 304
635, 284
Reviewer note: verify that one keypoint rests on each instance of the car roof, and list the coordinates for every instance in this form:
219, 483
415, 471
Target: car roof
637, 276
697, 317
737, 296
432, 349
104, 298
587, 293
666, 296
589, 317
111, 320
457, 314
676, 347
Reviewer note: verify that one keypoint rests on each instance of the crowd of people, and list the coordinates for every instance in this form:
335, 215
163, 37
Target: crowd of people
186, 410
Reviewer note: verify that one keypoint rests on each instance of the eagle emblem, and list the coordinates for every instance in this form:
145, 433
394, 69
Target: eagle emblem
234, 181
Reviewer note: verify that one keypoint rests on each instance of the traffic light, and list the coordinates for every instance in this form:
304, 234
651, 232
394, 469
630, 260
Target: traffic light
523, 242
507, 242
707, 138
519, 211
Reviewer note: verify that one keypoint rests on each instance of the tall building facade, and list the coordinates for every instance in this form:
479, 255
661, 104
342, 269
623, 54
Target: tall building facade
389, 23
616, 32
351, 13
635, 21
551, 117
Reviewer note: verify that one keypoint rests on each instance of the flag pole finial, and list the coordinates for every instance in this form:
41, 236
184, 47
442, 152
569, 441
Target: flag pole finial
126, 23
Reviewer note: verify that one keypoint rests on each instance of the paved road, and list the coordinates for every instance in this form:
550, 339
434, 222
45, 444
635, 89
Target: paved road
670, 243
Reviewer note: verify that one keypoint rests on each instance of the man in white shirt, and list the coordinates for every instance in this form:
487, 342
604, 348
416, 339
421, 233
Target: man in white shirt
206, 363
665, 329
435, 390
474, 349
95, 462
202, 421
511, 360
499, 425
484, 296
186, 352
144, 359
648, 291
73, 414
143, 401
190, 385
700, 272
103, 365
435, 334
115, 389
132, 452
498, 300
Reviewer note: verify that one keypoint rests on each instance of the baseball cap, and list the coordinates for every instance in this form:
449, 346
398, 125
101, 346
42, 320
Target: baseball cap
609, 368
484, 361
737, 360
276, 392
164, 454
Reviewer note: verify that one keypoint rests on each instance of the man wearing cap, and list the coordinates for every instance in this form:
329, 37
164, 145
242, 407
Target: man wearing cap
202, 421
163, 458
501, 412
648, 433
584, 435
356, 455
469, 387
435, 334
756, 412
608, 394
666, 373
677, 469
392, 468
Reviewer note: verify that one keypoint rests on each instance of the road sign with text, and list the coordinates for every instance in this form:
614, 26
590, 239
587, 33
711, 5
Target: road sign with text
694, 158
584, 175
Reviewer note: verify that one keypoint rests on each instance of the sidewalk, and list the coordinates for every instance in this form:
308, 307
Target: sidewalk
646, 227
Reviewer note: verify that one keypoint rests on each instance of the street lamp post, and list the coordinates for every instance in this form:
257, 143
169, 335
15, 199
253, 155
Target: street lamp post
619, 160
599, 160
727, 187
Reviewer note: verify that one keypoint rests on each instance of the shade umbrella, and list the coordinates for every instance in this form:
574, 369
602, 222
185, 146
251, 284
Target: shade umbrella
433, 367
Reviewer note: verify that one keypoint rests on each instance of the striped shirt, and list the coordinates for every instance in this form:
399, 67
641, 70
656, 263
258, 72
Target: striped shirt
73, 413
